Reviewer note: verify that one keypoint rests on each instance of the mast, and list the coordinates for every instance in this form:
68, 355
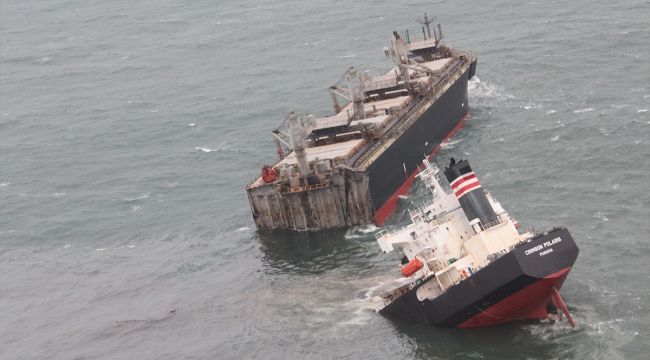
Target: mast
355, 86
297, 136
401, 59
437, 30
426, 22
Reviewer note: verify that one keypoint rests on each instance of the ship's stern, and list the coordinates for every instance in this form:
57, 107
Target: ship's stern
545, 261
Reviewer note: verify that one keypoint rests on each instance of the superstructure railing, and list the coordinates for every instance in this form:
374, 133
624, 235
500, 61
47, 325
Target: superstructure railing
295, 189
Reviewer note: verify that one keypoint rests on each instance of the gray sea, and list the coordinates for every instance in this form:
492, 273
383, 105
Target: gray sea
128, 130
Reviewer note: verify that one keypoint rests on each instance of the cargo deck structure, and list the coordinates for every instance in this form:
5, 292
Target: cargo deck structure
350, 167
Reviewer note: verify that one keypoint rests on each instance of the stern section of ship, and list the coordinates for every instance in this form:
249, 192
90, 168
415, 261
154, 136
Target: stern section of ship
519, 285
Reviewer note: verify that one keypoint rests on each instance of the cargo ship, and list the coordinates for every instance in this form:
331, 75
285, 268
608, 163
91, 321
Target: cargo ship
466, 264
349, 168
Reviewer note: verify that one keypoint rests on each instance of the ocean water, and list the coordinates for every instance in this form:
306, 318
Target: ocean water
128, 130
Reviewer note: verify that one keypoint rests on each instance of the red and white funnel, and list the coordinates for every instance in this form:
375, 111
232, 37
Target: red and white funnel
467, 189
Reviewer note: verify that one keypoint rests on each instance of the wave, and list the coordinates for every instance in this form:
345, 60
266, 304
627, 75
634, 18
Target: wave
484, 91
449, 144
583, 110
142, 196
362, 231
361, 309
601, 216
204, 149
531, 106
208, 150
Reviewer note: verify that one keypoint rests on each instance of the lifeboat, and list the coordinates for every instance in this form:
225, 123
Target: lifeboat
269, 174
413, 266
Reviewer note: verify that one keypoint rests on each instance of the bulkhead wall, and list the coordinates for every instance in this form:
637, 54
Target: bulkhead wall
345, 201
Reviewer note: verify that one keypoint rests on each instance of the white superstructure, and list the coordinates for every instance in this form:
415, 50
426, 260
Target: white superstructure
442, 246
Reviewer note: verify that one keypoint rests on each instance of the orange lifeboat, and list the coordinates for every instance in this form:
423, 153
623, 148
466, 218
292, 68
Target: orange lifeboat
269, 174
413, 266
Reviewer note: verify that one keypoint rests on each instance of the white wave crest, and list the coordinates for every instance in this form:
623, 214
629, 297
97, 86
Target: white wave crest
208, 150
360, 231
142, 196
446, 145
583, 110
483, 90
532, 106
204, 149
601, 216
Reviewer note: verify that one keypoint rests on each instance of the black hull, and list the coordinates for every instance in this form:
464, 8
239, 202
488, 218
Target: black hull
368, 193
513, 287
392, 169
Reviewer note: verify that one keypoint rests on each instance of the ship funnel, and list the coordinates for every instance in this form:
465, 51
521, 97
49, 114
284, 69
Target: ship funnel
467, 189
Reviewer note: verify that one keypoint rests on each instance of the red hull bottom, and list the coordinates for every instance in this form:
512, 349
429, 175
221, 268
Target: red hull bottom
527, 303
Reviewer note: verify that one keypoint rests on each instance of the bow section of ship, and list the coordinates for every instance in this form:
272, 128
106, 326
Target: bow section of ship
349, 168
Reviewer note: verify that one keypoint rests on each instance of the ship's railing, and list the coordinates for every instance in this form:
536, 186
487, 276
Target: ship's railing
412, 113
390, 296
379, 234
358, 147
381, 84
459, 53
295, 189
384, 232
419, 211
502, 218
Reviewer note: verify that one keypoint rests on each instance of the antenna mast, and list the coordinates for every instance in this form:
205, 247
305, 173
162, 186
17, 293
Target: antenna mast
426, 22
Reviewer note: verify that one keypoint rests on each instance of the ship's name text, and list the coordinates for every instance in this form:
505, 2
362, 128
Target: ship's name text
546, 247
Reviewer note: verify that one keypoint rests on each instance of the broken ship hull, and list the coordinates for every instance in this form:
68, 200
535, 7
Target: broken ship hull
368, 193
518, 285
393, 172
